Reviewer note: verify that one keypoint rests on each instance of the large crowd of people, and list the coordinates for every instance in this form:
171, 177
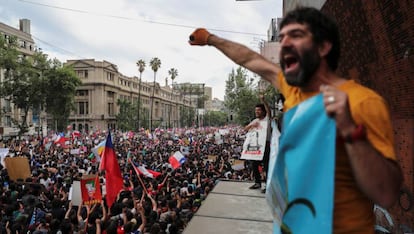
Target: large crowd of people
41, 203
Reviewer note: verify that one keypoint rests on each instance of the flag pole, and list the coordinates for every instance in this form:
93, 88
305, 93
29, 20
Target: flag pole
139, 177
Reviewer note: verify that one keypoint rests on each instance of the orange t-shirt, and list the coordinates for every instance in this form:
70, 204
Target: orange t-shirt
353, 211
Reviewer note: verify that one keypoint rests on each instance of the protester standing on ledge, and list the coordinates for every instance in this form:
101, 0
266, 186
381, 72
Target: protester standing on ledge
263, 114
366, 170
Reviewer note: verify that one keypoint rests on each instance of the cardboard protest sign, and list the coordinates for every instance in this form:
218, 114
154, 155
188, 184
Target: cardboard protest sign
17, 168
238, 165
212, 158
75, 194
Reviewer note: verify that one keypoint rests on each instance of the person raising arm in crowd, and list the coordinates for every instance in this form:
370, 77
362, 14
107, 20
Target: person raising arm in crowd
366, 170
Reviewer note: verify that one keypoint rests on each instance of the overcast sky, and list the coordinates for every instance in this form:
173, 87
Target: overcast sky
124, 31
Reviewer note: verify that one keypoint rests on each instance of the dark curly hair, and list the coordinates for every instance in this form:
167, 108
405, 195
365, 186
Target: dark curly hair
322, 27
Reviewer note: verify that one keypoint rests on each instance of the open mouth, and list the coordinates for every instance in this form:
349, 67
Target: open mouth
291, 63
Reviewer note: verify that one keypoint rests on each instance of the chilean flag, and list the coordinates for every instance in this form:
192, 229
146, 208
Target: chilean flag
177, 159
60, 139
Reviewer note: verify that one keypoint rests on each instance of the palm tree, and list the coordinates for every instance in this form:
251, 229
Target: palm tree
141, 68
155, 64
173, 74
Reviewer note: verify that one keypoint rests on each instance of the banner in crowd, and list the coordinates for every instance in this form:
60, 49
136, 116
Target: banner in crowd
238, 165
18, 168
3, 154
91, 190
75, 194
255, 142
306, 150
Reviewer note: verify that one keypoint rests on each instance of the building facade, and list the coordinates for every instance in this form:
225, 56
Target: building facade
9, 112
103, 85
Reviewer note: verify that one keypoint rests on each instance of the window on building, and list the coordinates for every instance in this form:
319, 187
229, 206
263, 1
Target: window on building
111, 94
82, 73
110, 76
8, 121
83, 108
7, 105
111, 110
82, 93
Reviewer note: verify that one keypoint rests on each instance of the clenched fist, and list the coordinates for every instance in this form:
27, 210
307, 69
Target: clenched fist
199, 37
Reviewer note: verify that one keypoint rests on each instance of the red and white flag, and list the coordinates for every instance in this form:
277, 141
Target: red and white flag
147, 172
76, 134
141, 170
61, 140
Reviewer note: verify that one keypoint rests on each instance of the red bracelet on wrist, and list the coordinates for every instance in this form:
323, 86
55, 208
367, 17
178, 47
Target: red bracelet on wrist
358, 134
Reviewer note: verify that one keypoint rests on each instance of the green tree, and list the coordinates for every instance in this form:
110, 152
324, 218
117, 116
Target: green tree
8, 55
241, 96
141, 67
173, 74
155, 64
215, 118
126, 118
33, 83
23, 87
60, 88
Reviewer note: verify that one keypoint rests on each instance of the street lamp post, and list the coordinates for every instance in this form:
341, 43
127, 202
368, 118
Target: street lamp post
139, 102
152, 104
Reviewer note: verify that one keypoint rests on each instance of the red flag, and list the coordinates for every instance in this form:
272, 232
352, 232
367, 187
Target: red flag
113, 176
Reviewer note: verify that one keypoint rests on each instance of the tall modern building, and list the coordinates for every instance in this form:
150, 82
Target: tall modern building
10, 112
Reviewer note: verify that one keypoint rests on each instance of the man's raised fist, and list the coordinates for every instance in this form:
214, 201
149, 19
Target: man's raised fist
199, 37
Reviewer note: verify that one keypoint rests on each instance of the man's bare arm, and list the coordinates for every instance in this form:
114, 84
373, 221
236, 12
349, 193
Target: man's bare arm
238, 53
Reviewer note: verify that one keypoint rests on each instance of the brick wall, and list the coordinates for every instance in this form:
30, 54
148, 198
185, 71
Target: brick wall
378, 51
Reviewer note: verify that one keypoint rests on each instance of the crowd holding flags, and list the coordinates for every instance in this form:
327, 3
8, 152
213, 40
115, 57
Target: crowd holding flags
104, 153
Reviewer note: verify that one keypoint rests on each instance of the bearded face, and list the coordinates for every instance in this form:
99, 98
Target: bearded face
299, 66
